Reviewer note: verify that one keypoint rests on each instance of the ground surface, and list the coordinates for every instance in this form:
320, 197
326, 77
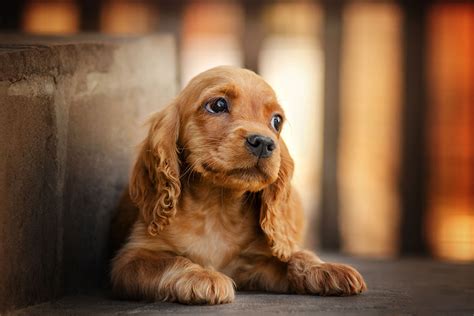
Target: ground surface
408, 286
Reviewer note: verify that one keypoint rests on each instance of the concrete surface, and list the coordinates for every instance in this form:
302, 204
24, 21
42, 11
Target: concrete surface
408, 286
71, 112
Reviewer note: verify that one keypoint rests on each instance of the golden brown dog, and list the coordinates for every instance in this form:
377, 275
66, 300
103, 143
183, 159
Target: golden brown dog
216, 209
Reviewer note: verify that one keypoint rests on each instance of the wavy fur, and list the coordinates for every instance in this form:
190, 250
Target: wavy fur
208, 216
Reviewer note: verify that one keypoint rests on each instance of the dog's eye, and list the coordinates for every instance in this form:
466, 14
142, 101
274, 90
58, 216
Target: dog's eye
217, 106
276, 122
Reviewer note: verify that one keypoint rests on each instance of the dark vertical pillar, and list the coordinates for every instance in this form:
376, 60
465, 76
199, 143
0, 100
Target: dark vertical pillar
253, 34
90, 15
10, 15
413, 126
332, 36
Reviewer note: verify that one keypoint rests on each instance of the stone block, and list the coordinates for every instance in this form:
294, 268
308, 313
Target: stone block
71, 113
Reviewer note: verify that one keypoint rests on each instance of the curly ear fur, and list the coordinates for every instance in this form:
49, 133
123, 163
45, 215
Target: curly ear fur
276, 216
155, 184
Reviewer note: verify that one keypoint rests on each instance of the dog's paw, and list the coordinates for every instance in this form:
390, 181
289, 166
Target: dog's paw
312, 277
205, 287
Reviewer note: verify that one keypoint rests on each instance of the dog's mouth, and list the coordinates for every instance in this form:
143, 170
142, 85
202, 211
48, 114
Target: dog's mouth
255, 171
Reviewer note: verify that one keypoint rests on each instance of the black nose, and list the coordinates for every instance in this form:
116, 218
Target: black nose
260, 146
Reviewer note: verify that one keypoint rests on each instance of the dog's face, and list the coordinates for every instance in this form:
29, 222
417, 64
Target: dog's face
230, 128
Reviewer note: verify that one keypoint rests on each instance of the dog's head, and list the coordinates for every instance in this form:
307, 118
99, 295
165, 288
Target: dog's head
225, 125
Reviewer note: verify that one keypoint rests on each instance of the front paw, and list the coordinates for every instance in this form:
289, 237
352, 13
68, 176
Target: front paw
205, 287
313, 277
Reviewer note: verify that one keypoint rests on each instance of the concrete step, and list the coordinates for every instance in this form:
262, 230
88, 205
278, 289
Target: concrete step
71, 111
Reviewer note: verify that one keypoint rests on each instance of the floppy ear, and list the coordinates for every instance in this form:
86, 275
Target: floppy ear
155, 184
276, 218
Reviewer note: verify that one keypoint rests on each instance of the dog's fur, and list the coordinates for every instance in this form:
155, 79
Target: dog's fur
209, 215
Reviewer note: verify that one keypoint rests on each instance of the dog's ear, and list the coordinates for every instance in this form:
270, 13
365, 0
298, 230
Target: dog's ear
155, 183
276, 214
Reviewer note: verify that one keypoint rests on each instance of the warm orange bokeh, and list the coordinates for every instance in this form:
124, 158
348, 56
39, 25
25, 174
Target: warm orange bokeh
128, 17
450, 222
211, 36
56, 17
369, 147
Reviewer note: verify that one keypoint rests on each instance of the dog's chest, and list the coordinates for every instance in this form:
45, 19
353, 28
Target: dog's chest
214, 240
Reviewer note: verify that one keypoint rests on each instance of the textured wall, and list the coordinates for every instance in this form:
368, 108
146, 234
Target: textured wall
71, 113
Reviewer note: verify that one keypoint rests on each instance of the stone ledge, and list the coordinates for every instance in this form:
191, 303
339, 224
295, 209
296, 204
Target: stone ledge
70, 118
22, 55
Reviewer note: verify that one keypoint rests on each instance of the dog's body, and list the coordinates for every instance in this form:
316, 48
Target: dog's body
215, 205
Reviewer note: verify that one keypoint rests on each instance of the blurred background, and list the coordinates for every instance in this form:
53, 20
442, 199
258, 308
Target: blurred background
379, 97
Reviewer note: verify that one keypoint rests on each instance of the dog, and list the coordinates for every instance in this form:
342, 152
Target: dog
212, 204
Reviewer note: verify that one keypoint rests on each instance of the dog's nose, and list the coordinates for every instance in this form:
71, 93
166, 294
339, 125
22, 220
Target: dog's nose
260, 146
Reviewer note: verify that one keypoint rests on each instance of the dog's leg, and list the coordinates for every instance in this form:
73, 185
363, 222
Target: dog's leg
142, 274
307, 274
304, 273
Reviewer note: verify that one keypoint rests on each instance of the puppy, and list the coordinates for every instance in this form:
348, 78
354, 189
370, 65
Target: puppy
214, 206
